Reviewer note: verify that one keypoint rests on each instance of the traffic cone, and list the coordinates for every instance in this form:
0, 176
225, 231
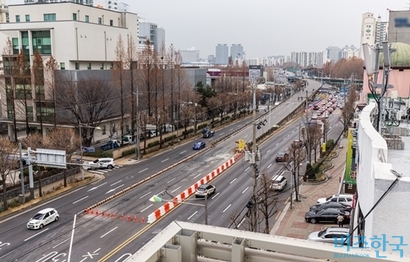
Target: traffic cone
96, 212
108, 214
86, 210
102, 214
142, 220
114, 215
129, 218
122, 216
135, 219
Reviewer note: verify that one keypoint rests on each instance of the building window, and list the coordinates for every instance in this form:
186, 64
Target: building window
10, 112
77, 66
111, 65
99, 20
41, 41
75, 16
103, 130
87, 19
102, 66
40, 92
89, 66
17, 18
62, 66
27, 18
15, 43
111, 23
49, 17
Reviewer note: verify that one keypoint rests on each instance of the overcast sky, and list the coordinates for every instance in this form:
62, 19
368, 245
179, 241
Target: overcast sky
263, 27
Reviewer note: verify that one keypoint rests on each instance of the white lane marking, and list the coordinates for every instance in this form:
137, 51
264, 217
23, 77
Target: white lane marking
182, 152
245, 190
41, 232
175, 189
221, 134
268, 151
145, 194
164, 160
113, 184
247, 169
231, 129
79, 200
96, 187
61, 243
192, 215
113, 189
171, 180
197, 176
240, 223
226, 208
277, 144
109, 232
232, 181
145, 169
245, 136
215, 195
269, 165
146, 208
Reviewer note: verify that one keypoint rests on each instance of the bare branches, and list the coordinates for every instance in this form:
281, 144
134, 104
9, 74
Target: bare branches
7, 163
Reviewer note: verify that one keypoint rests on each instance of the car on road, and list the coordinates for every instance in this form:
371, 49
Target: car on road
330, 235
99, 163
199, 145
282, 157
326, 216
340, 198
43, 218
278, 182
335, 205
207, 132
205, 190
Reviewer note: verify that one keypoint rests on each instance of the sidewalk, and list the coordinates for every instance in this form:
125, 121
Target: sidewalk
291, 222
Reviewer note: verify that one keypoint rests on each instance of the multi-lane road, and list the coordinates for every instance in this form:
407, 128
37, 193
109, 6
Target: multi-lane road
113, 237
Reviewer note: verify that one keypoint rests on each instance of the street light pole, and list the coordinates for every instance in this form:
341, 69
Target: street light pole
137, 139
81, 149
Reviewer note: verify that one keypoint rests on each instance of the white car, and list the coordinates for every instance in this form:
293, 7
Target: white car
43, 218
102, 163
278, 182
330, 235
340, 198
205, 190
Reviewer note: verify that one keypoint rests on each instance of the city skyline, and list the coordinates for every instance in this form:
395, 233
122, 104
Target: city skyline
264, 28
254, 19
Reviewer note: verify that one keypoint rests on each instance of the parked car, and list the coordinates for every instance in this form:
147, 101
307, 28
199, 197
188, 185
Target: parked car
127, 140
43, 218
330, 235
207, 132
199, 145
102, 163
327, 216
205, 190
327, 205
112, 144
282, 157
278, 182
341, 198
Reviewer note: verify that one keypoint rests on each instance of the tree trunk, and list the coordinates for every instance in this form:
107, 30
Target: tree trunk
5, 204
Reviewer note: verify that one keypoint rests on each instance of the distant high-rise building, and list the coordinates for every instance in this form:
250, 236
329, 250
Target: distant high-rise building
381, 31
333, 53
321, 58
237, 52
221, 54
368, 31
189, 56
151, 32
348, 52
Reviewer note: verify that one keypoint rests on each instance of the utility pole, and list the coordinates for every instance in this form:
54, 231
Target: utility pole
254, 165
137, 143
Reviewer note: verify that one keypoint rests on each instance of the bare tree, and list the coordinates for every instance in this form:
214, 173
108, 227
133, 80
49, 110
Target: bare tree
88, 101
50, 91
349, 107
38, 81
119, 79
267, 201
132, 58
7, 164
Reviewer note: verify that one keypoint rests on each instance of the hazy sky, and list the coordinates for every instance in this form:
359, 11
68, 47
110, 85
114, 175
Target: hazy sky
263, 27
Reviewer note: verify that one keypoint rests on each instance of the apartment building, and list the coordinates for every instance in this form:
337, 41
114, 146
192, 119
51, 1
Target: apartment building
80, 37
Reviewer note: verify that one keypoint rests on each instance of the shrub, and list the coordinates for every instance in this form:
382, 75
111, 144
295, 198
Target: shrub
153, 143
128, 152
170, 138
330, 144
99, 153
202, 126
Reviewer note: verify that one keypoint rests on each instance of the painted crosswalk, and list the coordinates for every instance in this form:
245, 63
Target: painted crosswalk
104, 171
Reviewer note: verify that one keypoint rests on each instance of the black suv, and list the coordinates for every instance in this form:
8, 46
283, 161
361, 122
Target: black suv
206, 133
